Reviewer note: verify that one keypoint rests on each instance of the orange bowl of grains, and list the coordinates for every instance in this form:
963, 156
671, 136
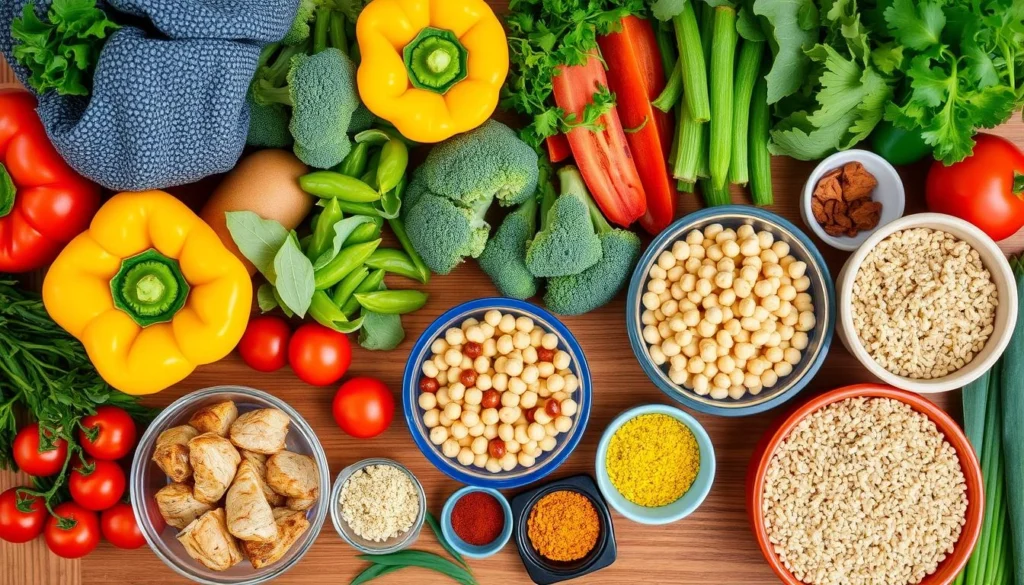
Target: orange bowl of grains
885, 449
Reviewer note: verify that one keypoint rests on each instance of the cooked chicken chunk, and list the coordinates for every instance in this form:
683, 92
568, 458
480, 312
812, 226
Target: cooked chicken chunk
290, 526
214, 463
262, 431
293, 475
250, 517
259, 461
171, 452
178, 505
300, 504
208, 541
216, 418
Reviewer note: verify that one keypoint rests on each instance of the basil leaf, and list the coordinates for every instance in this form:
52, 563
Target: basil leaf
295, 284
381, 332
342, 230
265, 298
258, 239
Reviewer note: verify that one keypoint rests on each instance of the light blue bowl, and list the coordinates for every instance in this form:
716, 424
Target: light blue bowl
678, 509
464, 548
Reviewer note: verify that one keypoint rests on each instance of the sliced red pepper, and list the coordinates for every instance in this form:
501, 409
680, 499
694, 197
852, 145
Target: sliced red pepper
558, 148
636, 75
603, 156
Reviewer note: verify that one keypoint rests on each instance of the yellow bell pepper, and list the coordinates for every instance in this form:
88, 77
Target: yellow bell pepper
433, 68
150, 291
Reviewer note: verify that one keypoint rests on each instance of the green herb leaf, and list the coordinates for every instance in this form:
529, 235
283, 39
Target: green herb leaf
664, 10
794, 25
7, 191
258, 239
748, 26
887, 58
342, 230
265, 298
295, 284
918, 27
381, 332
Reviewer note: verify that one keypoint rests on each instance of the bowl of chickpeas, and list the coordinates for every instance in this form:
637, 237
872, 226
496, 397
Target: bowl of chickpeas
497, 393
731, 310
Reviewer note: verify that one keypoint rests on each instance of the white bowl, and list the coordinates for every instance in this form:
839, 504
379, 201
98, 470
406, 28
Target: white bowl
889, 193
1006, 313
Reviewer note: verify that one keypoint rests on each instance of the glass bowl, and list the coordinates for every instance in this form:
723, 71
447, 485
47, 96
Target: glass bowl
474, 476
359, 543
822, 292
147, 478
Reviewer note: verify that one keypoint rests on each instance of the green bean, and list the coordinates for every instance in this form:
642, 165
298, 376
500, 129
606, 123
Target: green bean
348, 285
370, 176
355, 163
323, 232
394, 160
444, 541
369, 284
374, 571
395, 262
345, 262
325, 312
423, 559
332, 185
398, 227
392, 302
366, 232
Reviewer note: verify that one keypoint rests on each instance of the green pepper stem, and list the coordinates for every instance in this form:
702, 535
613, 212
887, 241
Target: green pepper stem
435, 60
150, 288
7, 191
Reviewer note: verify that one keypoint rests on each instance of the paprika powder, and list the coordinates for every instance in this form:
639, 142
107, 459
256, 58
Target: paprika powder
478, 518
43, 202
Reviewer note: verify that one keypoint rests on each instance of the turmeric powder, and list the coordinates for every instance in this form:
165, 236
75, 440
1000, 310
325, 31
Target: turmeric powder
563, 526
653, 460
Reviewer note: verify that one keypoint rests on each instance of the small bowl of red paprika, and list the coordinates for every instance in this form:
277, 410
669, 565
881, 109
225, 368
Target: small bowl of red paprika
477, 521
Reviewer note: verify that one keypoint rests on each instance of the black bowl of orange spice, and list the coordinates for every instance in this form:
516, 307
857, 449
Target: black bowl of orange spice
563, 530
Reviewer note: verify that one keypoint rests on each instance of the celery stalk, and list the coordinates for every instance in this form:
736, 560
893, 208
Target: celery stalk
691, 137
747, 66
723, 59
760, 159
673, 91
694, 67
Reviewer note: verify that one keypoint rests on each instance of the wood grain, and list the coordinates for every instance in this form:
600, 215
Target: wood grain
714, 545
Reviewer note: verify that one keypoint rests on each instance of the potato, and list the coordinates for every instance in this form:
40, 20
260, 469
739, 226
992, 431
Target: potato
265, 182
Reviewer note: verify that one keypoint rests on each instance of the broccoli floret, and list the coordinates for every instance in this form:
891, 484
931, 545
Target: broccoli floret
490, 161
362, 119
299, 30
444, 233
566, 243
449, 195
504, 257
594, 287
268, 125
321, 90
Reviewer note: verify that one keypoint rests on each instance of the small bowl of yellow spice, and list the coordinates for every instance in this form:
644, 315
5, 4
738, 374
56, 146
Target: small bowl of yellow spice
655, 464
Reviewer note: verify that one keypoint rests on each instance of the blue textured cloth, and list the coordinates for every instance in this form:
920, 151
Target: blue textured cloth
165, 109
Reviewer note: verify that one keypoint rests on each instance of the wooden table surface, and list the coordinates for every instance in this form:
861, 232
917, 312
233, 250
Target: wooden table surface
714, 545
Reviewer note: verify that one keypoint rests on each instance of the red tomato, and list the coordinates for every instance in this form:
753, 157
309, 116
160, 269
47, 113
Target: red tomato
986, 188
120, 528
75, 533
96, 484
114, 433
21, 518
31, 459
318, 355
363, 407
264, 346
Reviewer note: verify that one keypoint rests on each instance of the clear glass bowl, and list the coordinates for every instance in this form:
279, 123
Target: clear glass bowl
359, 543
147, 479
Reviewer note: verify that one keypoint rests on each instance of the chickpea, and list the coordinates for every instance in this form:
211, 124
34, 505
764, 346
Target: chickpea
719, 393
525, 459
799, 340
442, 397
439, 346
438, 435
783, 369
657, 286
679, 377
481, 460
769, 378
509, 414
493, 465
499, 382
489, 416
490, 431
657, 273
465, 456
801, 284
509, 399
430, 418
520, 340
427, 401
541, 416
469, 418
454, 336
506, 432
492, 317
562, 424
450, 448
530, 355
453, 410
561, 360
507, 324
805, 321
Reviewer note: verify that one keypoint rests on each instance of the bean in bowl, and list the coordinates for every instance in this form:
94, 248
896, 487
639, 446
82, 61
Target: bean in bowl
727, 311
496, 393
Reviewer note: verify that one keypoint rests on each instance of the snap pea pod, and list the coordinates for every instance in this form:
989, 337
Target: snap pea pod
344, 263
394, 161
392, 302
355, 163
348, 285
325, 312
373, 136
323, 231
358, 208
332, 185
366, 232
395, 262
398, 227
369, 284
370, 176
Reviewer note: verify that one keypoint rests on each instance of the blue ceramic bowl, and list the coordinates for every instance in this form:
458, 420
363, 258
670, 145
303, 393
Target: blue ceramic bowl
474, 476
822, 292
464, 548
678, 509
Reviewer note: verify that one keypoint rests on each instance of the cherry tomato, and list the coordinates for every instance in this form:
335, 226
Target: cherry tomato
114, 433
986, 188
363, 407
21, 518
318, 355
96, 484
75, 533
264, 345
496, 447
31, 459
120, 528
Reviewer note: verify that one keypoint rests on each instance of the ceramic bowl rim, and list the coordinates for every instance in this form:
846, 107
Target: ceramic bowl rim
465, 549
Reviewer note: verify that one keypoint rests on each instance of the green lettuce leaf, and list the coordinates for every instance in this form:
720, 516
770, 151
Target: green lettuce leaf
794, 26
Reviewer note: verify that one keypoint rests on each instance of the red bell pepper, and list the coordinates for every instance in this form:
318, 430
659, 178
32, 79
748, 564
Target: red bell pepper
637, 76
603, 155
558, 148
43, 202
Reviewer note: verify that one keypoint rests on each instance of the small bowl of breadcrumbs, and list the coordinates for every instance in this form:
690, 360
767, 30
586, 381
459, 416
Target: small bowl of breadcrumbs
378, 506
